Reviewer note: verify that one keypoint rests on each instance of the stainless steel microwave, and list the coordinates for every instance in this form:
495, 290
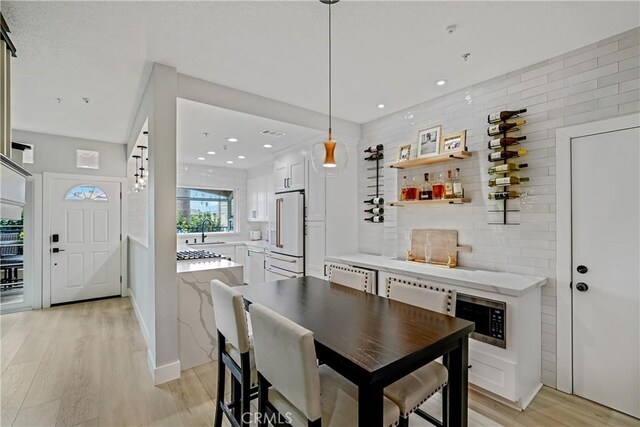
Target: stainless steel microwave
490, 317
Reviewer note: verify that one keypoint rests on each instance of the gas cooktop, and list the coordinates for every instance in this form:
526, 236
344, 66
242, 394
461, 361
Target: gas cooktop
193, 254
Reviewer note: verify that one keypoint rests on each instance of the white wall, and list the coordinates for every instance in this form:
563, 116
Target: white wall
595, 82
55, 153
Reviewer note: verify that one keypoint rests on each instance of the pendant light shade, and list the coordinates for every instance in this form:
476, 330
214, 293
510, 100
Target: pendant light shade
329, 157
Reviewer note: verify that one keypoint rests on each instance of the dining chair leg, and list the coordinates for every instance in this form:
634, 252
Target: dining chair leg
236, 398
263, 392
220, 388
404, 421
445, 406
246, 390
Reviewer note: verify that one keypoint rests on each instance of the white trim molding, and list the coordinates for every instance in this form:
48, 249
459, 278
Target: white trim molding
564, 136
165, 373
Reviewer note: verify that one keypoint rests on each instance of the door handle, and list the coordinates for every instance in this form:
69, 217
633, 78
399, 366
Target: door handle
582, 287
56, 250
582, 269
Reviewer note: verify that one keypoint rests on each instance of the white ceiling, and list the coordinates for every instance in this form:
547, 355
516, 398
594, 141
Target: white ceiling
384, 52
195, 118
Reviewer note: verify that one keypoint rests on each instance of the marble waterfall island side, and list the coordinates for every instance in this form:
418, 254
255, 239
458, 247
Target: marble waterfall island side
197, 335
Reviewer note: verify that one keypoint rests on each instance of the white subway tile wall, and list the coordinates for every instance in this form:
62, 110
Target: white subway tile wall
591, 83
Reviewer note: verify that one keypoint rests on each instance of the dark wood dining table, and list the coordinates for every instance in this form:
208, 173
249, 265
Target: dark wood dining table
371, 340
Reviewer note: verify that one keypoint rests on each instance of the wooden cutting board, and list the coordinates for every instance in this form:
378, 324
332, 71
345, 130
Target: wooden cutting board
443, 243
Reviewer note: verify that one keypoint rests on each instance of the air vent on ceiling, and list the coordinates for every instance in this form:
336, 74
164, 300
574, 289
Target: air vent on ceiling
272, 133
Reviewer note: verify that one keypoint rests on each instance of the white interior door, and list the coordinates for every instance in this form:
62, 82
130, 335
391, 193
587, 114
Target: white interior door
605, 275
85, 219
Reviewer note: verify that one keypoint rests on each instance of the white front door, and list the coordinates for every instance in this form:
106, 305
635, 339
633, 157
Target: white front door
605, 276
85, 220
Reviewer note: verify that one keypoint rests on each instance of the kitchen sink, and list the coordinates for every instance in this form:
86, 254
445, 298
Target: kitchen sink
218, 242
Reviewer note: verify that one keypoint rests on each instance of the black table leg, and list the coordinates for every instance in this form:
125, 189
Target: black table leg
370, 398
457, 390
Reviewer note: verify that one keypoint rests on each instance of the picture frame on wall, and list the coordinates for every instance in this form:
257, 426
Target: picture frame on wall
454, 142
404, 152
429, 141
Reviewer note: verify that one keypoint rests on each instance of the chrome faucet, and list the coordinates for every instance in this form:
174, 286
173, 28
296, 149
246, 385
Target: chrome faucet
204, 221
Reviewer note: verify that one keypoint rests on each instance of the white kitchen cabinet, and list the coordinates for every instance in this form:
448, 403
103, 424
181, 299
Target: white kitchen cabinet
257, 194
315, 249
289, 172
315, 195
240, 252
255, 266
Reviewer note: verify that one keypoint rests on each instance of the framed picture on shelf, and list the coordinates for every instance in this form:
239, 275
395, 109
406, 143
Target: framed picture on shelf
429, 141
404, 152
454, 142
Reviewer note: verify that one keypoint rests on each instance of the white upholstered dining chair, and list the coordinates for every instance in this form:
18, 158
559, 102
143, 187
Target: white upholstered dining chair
235, 352
416, 388
353, 277
292, 388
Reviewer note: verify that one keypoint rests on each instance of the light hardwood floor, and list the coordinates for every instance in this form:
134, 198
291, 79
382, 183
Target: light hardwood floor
86, 365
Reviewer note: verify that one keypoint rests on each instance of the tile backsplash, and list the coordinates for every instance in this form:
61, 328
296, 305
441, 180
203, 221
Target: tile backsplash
595, 82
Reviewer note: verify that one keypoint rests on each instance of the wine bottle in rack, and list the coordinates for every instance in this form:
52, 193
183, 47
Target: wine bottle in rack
375, 211
509, 167
504, 127
504, 195
374, 148
507, 180
375, 201
376, 218
501, 116
375, 156
504, 155
505, 141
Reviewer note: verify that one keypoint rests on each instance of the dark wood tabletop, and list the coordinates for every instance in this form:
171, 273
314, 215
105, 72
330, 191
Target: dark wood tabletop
369, 339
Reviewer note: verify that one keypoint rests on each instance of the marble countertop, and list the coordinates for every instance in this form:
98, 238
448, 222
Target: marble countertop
190, 266
491, 281
211, 246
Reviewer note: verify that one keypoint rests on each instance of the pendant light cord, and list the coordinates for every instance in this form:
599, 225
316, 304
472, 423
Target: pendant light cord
329, 68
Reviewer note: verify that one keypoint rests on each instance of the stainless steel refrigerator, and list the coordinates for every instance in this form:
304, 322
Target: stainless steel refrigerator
286, 259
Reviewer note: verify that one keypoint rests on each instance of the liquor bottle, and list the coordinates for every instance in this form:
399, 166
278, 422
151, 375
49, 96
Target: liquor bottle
375, 211
503, 195
374, 148
503, 115
412, 190
375, 156
438, 188
426, 192
376, 218
458, 191
403, 189
448, 186
504, 127
504, 155
375, 201
505, 141
509, 167
507, 180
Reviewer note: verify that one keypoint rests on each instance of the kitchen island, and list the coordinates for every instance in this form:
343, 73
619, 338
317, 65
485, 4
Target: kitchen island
197, 336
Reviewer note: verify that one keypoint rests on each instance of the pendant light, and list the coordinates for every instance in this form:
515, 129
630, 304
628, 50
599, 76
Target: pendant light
136, 187
143, 175
329, 157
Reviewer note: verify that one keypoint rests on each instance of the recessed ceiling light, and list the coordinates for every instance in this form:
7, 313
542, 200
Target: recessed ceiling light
381, 106
201, 158
211, 152
267, 145
441, 82
241, 157
232, 139
229, 162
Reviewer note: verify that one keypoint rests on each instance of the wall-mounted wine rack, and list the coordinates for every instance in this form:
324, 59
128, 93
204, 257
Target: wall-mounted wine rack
506, 188
374, 187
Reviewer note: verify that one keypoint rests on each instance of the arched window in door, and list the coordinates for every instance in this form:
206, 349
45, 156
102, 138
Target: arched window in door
87, 192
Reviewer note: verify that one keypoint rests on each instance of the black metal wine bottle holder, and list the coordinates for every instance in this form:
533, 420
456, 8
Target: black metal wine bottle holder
505, 188
379, 155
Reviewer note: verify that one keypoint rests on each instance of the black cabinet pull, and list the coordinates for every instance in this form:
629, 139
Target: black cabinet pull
582, 269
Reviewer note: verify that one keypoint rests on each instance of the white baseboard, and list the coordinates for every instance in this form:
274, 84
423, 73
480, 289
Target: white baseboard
165, 373
143, 326
528, 399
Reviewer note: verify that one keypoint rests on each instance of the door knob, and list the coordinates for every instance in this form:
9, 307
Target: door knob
582, 269
582, 287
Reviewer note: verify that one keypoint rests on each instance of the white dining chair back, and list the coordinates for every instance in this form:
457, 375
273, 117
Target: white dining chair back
352, 277
231, 320
286, 358
421, 294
